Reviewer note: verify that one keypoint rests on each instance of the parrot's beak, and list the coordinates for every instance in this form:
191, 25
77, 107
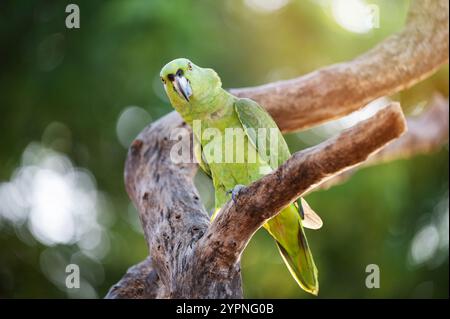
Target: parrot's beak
182, 86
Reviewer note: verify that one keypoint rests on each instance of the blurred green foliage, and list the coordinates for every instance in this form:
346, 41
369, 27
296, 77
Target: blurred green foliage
84, 79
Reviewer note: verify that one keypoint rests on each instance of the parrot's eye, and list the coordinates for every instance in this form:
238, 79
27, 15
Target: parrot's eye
171, 77
179, 72
163, 81
189, 67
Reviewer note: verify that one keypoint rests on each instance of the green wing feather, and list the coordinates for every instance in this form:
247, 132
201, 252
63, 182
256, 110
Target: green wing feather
253, 117
286, 227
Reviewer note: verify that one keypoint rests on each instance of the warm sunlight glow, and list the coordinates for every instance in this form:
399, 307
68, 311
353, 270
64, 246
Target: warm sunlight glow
355, 15
266, 5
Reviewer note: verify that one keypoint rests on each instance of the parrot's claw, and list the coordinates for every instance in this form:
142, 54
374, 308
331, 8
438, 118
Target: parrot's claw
235, 191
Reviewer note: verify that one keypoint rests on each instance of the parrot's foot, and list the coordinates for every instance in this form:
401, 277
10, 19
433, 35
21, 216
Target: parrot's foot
235, 191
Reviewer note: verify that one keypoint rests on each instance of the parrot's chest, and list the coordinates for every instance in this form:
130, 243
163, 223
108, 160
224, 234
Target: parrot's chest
231, 157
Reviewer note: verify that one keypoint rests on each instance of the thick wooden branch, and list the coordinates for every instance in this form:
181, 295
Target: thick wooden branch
234, 226
398, 62
140, 282
172, 215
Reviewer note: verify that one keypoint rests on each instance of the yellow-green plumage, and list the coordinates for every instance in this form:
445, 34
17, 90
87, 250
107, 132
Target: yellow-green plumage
219, 110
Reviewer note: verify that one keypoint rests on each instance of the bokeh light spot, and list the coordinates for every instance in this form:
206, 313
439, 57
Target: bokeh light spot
131, 121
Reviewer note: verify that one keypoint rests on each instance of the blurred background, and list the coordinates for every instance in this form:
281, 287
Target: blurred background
72, 100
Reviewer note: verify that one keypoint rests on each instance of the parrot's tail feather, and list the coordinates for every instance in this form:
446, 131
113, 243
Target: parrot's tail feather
300, 263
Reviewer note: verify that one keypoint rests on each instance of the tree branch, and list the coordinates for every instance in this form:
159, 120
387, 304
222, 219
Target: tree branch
230, 232
395, 64
172, 215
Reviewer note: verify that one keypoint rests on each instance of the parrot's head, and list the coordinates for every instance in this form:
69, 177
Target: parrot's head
186, 83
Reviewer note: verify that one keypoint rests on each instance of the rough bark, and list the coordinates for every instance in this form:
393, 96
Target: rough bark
140, 282
173, 217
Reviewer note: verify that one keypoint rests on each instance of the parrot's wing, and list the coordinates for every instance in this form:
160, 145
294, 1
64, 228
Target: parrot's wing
198, 153
253, 117
262, 132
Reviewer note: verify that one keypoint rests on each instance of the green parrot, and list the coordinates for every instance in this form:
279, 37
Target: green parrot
197, 94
